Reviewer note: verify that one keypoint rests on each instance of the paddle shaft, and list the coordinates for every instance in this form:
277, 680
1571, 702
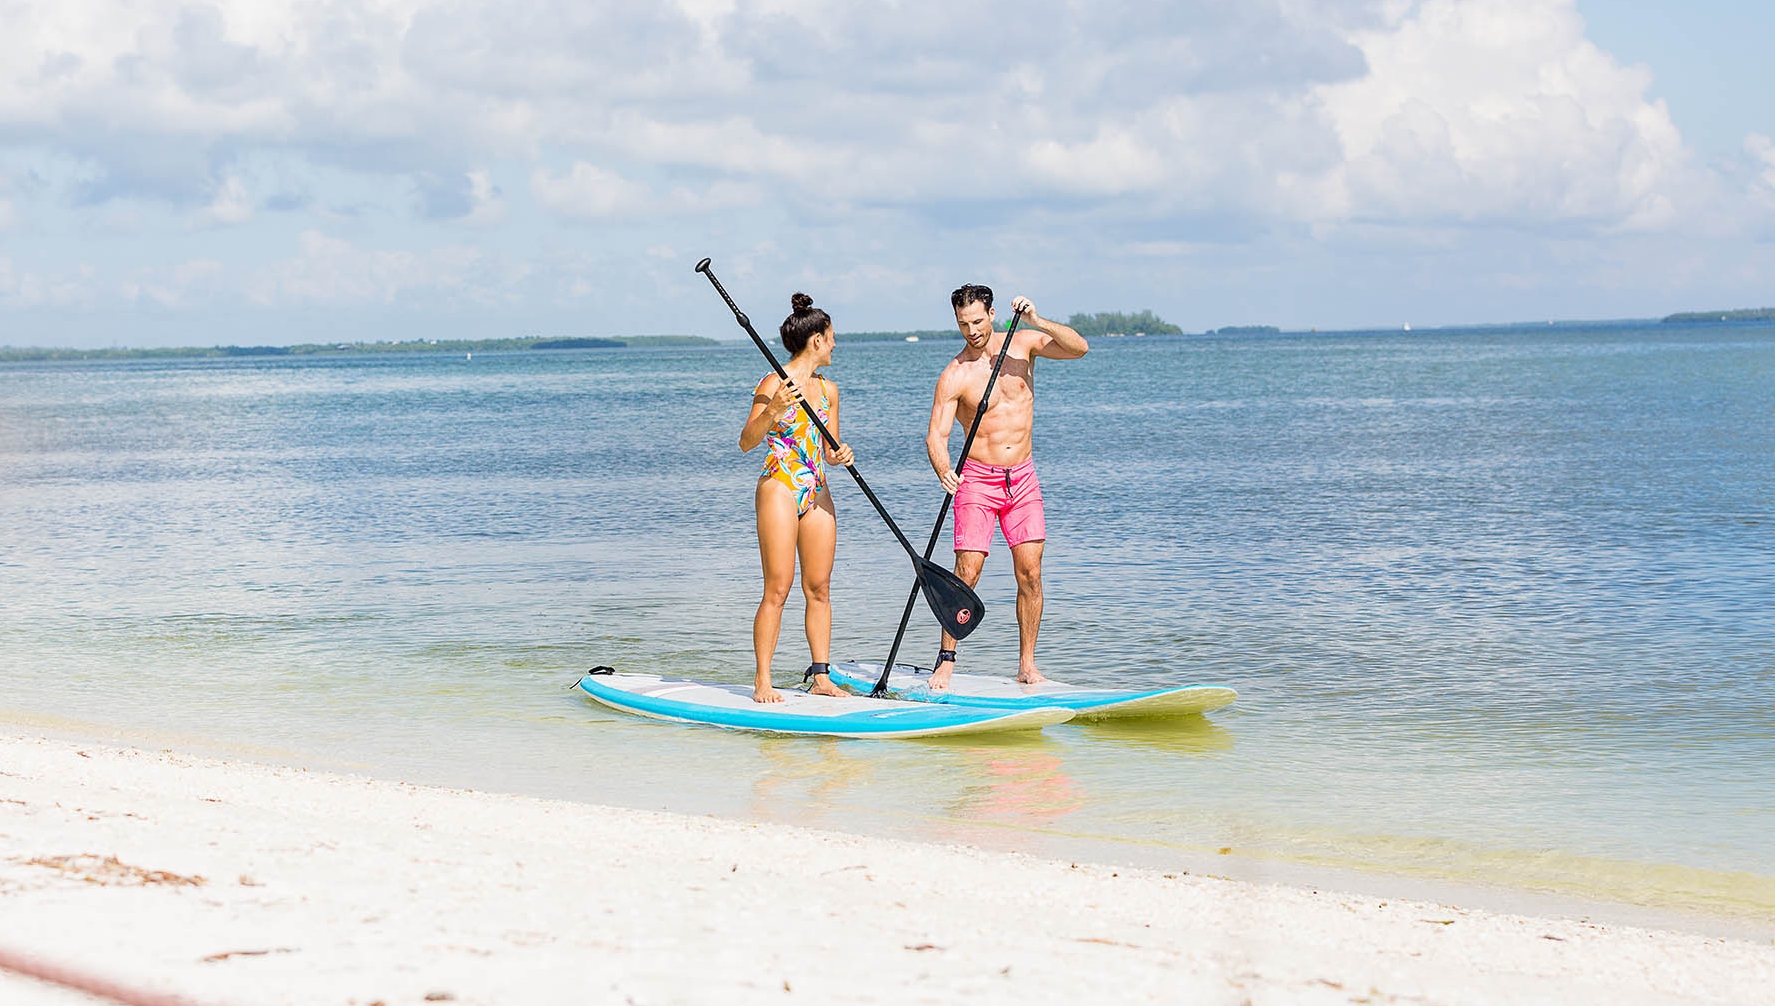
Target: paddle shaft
967, 445
825, 435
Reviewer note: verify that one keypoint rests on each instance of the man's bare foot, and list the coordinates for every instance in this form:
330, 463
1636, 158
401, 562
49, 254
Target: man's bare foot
1029, 676
823, 686
940, 675
765, 693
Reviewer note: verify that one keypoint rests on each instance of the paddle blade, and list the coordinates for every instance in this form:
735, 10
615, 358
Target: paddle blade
953, 602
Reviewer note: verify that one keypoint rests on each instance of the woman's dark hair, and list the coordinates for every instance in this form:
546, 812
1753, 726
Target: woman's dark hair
805, 322
973, 293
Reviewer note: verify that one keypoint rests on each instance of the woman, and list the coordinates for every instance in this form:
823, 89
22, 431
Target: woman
794, 505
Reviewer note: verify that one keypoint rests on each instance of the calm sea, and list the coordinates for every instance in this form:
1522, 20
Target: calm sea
1500, 604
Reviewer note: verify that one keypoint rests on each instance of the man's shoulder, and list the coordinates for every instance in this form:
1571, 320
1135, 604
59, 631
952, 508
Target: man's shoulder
951, 380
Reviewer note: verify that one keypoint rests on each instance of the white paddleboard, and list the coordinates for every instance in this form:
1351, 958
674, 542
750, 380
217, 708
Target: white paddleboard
731, 706
980, 691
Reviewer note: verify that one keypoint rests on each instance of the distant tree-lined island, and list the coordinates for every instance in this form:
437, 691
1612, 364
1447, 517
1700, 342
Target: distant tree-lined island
1118, 323
358, 348
1101, 324
916, 335
1741, 314
1106, 323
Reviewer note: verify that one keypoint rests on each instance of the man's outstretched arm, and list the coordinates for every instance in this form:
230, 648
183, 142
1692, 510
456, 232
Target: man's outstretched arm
1057, 342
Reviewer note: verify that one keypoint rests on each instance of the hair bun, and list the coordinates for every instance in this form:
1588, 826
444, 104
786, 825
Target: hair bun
801, 302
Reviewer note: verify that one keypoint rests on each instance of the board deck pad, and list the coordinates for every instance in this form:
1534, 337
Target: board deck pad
981, 691
731, 706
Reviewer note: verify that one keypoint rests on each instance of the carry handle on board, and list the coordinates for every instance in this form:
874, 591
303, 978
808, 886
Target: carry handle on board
967, 444
953, 602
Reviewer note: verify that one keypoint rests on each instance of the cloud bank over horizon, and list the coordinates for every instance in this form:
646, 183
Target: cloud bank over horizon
210, 171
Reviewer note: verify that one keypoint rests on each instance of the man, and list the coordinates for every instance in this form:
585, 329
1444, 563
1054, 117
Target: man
997, 479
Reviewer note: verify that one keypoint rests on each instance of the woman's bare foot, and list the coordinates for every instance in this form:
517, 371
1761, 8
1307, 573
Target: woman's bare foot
763, 692
823, 686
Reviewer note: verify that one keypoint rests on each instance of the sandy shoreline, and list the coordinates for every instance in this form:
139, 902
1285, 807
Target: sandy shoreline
231, 882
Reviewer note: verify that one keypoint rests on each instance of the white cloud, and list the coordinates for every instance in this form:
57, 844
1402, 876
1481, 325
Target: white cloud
30, 288
1762, 152
328, 271
1113, 162
153, 93
1501, 110
589, 193
8, 214
487, 201
231, 205
182, 286
1759, 151
1272, 110
1010, 129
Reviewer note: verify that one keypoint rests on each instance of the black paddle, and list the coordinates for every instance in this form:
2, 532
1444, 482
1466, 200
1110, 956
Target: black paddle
967, 445
953, 602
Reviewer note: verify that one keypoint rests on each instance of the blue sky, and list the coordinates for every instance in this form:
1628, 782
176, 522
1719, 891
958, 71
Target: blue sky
1709, 59
244, 171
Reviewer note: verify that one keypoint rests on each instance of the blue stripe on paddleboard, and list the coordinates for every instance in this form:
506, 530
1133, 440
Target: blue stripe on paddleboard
1078, 701
893, 718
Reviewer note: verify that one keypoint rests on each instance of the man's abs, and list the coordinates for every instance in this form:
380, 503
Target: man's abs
1005, 432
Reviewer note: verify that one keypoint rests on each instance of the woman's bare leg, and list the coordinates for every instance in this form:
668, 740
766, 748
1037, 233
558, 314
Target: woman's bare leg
818, 542
777, 532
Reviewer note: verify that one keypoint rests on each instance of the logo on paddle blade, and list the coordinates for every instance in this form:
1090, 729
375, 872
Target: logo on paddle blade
962, 616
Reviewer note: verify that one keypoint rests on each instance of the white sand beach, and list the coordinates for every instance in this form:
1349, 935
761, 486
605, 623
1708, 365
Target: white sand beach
174, 878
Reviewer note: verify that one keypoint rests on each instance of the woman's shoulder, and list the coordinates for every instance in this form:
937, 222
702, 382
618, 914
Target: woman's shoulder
767, 385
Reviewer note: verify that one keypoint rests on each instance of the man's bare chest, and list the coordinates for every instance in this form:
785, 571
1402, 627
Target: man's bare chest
1014, 389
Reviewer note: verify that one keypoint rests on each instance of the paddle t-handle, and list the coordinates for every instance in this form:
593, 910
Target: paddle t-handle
967, 444
953, 602
746, 323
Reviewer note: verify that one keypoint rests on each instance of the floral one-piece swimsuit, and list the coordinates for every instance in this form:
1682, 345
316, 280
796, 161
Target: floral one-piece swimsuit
796, 457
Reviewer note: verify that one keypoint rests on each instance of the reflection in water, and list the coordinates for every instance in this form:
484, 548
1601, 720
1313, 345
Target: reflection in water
1180, 735
1015, 780
1024, 790
1022, 784
1022, 781
805, 778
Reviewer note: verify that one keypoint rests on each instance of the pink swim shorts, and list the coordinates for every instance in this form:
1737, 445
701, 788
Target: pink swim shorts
1010, 494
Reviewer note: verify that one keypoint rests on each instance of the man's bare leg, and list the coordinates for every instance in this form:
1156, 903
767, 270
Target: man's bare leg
1026, 562
967, 566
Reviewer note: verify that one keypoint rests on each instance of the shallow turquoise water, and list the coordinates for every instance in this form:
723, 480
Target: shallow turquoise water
1497, 603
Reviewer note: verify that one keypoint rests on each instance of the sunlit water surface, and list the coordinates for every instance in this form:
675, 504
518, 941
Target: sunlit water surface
1497, 603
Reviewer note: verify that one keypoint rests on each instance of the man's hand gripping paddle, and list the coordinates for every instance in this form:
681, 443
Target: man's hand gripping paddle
953, 602
967, 445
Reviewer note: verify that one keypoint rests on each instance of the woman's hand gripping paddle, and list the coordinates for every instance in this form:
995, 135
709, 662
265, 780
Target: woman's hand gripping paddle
967, 445
953, 602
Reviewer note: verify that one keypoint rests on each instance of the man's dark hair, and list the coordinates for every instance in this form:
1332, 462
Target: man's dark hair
972, 293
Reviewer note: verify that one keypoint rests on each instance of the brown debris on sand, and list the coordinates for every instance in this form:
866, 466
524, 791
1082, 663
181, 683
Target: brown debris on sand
109, 871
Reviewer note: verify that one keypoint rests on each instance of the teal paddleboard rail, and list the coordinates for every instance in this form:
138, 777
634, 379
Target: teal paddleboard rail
1005, 694
732, 707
